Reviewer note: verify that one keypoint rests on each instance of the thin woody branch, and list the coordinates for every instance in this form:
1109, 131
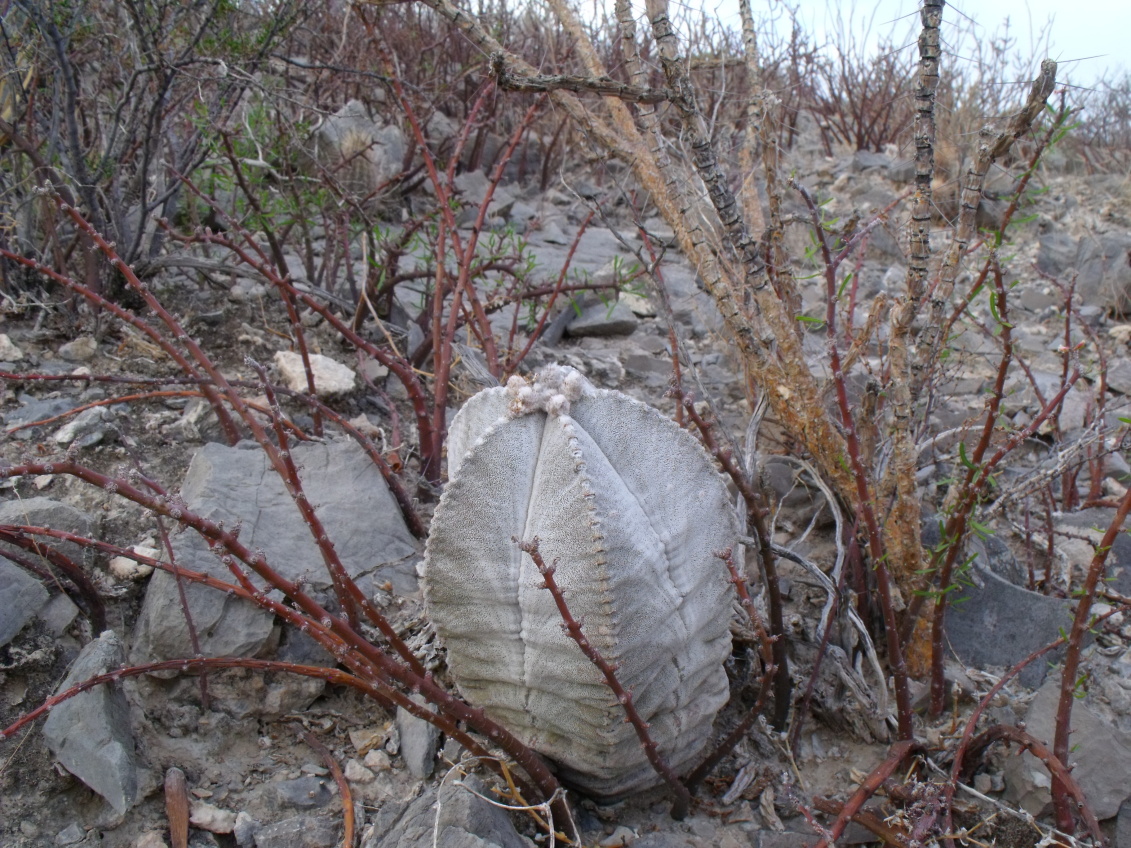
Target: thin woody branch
624, 697
509, 80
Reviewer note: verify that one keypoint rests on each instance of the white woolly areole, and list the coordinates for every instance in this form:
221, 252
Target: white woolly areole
554, 388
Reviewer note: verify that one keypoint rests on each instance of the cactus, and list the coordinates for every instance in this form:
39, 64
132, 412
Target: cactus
631, 510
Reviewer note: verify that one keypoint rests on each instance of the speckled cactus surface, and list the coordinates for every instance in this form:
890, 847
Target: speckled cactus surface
631, 510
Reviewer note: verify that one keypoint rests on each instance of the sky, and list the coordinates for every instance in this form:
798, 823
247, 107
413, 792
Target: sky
1095, 32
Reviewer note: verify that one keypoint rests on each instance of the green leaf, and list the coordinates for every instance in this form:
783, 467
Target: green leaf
964, 459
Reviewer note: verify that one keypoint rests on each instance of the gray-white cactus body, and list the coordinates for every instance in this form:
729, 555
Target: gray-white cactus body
630, 510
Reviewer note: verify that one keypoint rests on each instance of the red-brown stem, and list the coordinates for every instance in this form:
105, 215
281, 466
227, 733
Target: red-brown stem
322, 751
860, 475
352, 649
756, 512
231, 431
623, 696
284, 271
1056, 766
765, 645
345, 589
1068, 682
868, 820
512, 362
958, 766
898, 752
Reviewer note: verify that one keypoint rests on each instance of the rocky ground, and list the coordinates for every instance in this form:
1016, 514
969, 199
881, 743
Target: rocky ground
92, 774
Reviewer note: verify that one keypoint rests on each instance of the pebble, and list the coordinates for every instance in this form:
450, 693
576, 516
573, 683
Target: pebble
304, 792
357, 773
79, 350
211, 818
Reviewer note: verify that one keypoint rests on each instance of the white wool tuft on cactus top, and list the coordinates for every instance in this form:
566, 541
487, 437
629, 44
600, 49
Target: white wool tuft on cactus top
630, 510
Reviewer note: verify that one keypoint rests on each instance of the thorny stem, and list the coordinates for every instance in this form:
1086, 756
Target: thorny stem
1057, 767
380, 669
898, 752
624, 697
765, 645
1081, 623
861, 478
756, 512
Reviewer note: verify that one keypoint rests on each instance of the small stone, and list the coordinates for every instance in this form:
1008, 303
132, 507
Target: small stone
330, 377
80, 350
211, 818
8, 350
85, 429
601, 319
419, 743
150, 839
983, 783
357, 773
378, 761
365, 739
641, 306
621, 836
304, 792
69, 835
130, 570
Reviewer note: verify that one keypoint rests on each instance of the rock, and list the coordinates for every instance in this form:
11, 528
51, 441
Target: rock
57, 614
1119, 376
150, 839
299, 832
457, 818
603, 319
304, 792
419, 742
86, 429
1100, 261
229, 484
32, 410
993, 623
330, 377
90, 733
1092, 523
34, 512
863, 160
357, 773
1123, 826
8, 350
24, 597
901, 171
211, 818
1099, 754
80, 350
640, 305
70, 835
245, 829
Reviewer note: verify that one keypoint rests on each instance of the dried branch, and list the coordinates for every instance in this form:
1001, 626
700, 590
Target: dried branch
508, 80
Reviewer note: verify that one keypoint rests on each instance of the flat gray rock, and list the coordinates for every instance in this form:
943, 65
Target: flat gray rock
299, 832
603, 319
230, 484
1099, 753
456, 817
991, 622
24, 597
90, 733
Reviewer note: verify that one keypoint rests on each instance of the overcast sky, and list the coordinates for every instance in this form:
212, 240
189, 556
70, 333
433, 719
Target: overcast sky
1079, 29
